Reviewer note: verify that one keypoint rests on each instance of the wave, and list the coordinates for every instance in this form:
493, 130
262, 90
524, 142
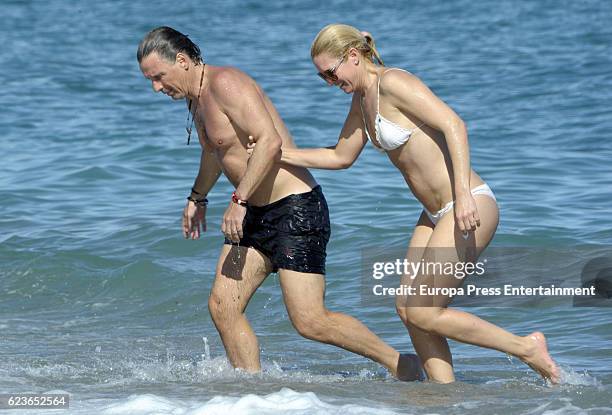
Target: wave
285, 401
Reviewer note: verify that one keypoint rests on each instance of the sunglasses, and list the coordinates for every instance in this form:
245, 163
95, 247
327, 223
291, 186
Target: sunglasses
330, 74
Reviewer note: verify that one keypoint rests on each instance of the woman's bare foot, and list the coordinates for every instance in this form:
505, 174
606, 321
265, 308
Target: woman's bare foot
409, 368
537, 357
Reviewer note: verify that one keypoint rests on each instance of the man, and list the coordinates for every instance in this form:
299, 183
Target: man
277, 218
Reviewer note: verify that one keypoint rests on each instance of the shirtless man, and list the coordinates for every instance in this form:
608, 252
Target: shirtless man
263, 232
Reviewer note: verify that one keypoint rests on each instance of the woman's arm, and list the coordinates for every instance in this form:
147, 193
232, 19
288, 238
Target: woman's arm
412, 96
341, 156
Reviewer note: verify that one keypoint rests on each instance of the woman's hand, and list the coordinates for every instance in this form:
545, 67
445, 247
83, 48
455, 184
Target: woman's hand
466, 213
251, 146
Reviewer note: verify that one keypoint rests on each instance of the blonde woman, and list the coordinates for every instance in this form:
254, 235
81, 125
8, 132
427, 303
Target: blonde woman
427, 142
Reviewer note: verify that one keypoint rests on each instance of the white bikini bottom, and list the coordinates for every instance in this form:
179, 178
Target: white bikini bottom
483, 189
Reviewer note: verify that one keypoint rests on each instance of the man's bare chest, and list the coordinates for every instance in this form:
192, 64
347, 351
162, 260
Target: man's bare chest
217, 131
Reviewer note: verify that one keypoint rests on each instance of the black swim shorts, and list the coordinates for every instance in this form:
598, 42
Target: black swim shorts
292, 232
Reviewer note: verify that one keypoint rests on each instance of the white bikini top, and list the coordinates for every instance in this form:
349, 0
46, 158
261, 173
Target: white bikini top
389, 135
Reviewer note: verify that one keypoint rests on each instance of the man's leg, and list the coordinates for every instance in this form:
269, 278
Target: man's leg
240, 271
303, 295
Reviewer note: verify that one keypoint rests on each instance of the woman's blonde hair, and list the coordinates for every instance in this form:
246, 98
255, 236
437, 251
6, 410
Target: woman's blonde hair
336, 39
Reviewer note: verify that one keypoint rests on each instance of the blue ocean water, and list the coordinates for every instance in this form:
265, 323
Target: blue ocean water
103, 299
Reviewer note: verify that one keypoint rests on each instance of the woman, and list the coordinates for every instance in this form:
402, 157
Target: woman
427, 141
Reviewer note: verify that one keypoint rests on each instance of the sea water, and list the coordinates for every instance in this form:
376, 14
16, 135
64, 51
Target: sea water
103, 299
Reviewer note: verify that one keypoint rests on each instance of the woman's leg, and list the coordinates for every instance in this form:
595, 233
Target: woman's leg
429, 313
433, 350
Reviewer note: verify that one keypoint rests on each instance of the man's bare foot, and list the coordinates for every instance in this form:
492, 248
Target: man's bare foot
409, 368
538, 359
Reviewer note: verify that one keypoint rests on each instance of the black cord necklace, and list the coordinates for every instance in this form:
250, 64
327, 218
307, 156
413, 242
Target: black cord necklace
189, 126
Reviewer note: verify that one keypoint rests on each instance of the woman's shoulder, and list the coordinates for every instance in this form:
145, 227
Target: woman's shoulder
390, 76
397, 80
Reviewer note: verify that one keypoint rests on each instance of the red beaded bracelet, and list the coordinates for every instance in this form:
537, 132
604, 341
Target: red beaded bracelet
238, 201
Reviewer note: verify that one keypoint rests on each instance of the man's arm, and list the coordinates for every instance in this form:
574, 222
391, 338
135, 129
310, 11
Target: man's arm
240, 100
209, 173
194, 214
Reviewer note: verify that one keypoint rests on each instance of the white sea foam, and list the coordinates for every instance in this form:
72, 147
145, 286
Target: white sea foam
573, 378
109, 370
569, 409
285, 401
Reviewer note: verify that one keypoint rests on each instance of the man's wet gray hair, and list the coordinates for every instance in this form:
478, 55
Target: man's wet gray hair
167, 42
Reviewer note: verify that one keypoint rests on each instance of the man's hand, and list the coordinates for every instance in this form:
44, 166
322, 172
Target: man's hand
194, 220
232, 222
